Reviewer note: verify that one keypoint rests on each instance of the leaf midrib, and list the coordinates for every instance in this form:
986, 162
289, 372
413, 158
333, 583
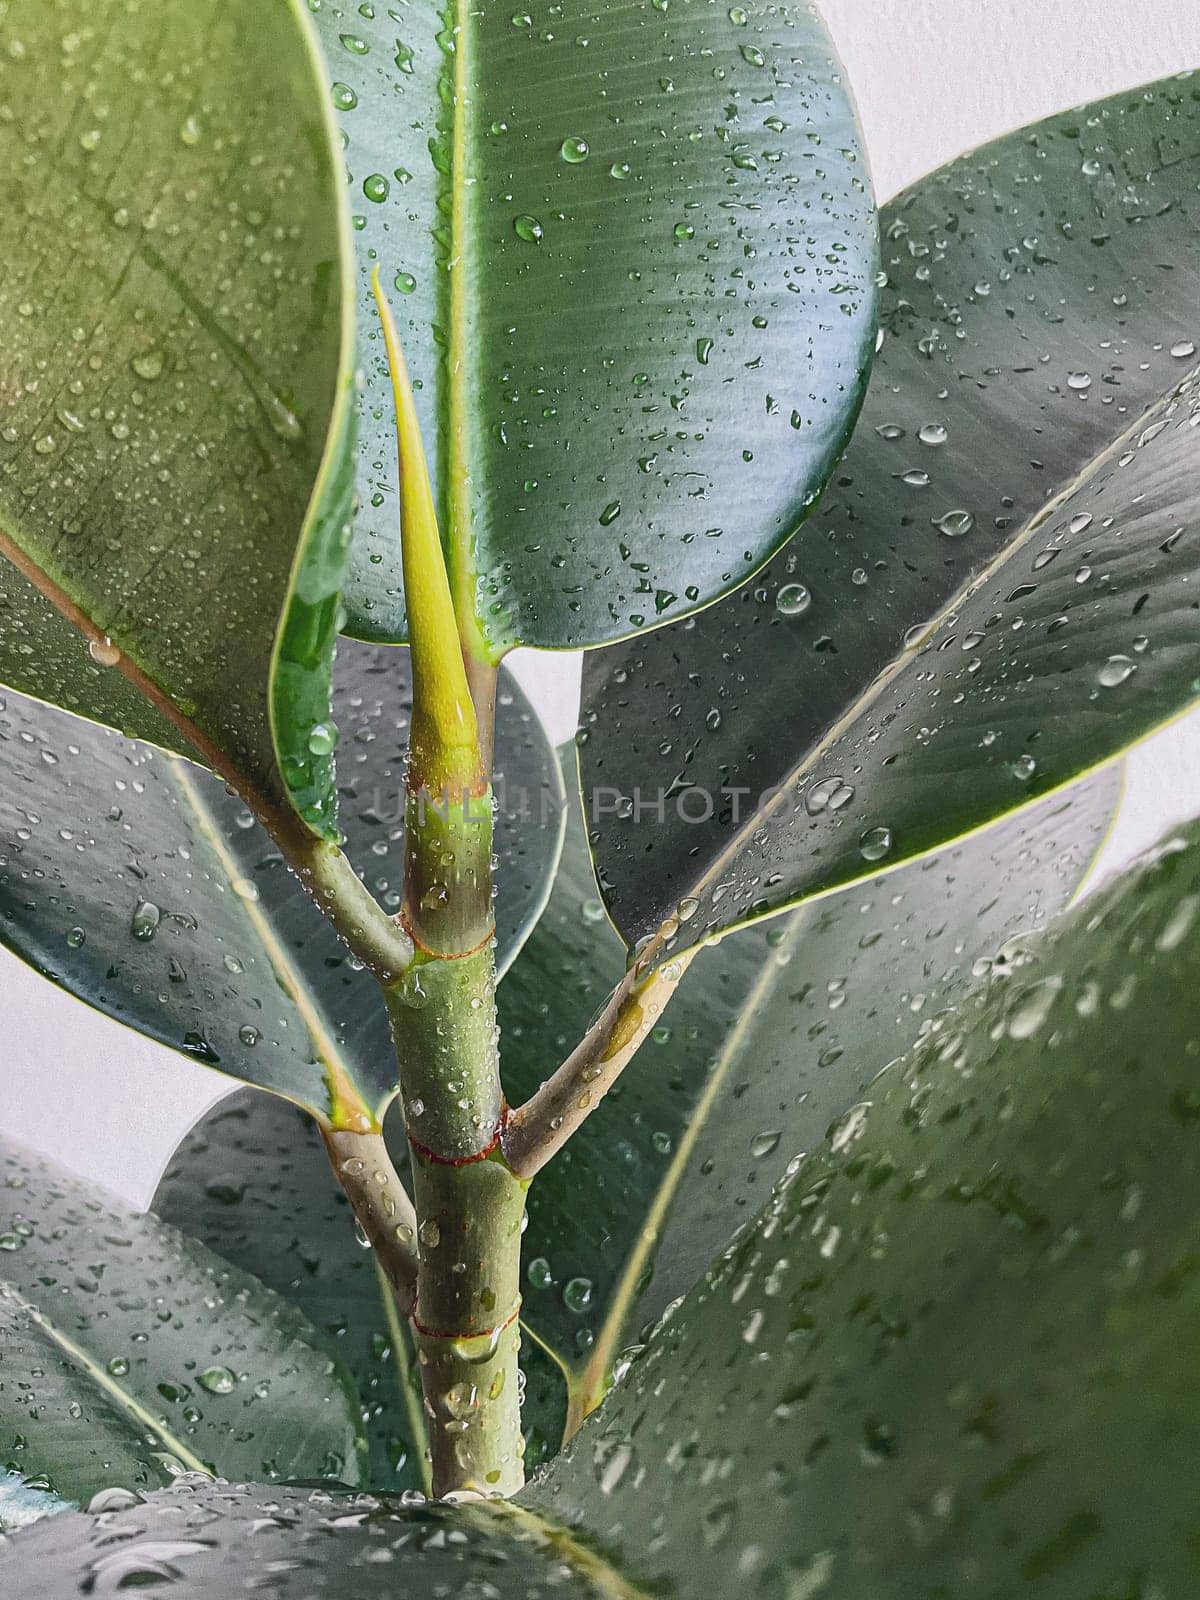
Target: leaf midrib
337, 1069
104, 1380
863, 702
585, 1385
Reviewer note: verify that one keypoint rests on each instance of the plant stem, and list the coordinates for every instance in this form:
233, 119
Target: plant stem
540, 1128
466, 1328
469, 1203
378, 940
364, 1169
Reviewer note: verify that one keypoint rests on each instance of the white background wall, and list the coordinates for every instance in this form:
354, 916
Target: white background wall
933, 78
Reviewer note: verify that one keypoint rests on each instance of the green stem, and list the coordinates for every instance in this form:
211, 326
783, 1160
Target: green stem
469, 1203
364, 1169
466, 1328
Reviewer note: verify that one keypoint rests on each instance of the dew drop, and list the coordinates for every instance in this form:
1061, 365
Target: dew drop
574, 149
577, 1294
1031, 1008
793, 600
323, 738
1115, 671
150, 365
955, 524
145, 920
114, 1499
412, 992
875, 844
529, 229
104, 652
217, 1380
538, 1273
612, 1461
830, 794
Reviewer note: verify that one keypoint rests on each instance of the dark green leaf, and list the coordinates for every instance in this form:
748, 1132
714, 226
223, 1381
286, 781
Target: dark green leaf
955, 1355
129, 1353
770, 1038
137, 883
252, 1182
211, 1541
632, 257
1042, 327
174, 458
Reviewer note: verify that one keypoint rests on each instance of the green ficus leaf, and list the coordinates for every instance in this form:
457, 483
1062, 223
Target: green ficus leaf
641, 338
175, 452
136, 882
955, 1354
131, 1353
208, 1541
769, 1040
893, 1417
995, 595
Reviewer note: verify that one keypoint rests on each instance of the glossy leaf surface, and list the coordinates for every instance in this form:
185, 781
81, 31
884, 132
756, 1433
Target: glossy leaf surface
137, 883
996, 593
771, 1037
252, 1182
632, 257
955, 1354
174, 437
131, 1353
210, 1541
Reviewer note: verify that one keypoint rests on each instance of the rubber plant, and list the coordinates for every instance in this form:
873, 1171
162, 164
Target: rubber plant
637, 258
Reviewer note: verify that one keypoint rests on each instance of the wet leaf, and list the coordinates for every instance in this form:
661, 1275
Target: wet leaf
997, 592
641, 337
175, 466
955, 1353
136, 882
252, 1182
772, 1037
131, 1354
208, 1541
